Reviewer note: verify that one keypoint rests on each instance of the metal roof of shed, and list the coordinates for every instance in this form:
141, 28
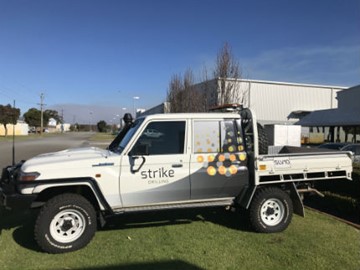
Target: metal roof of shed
331, 117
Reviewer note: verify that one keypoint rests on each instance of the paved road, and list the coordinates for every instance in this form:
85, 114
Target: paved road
29, 148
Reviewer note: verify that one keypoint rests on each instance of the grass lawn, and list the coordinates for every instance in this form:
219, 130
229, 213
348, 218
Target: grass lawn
102, 137
27, 137
192, 239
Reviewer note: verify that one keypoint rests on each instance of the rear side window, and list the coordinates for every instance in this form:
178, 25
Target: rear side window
217, 136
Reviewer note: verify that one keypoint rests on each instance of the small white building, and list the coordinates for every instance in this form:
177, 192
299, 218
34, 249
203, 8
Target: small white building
52, 122
21, 129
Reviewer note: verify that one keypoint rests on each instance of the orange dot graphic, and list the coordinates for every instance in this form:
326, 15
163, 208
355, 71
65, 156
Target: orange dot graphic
221, 158
233, 169
242, 157
211, 171
232, 157
200, 159
211, 158
222, 170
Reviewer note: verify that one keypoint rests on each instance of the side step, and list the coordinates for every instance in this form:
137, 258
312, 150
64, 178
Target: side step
180, 205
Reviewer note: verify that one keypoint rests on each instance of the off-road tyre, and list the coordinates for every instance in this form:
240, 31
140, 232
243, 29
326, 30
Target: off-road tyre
270, 211
262, 139
65, 223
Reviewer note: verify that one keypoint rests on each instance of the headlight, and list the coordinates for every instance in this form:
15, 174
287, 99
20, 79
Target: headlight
30, 176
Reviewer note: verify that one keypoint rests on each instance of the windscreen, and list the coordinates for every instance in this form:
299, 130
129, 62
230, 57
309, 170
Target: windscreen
128, 136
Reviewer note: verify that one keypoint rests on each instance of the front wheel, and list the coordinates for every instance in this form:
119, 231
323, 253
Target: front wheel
66, 223
271, 210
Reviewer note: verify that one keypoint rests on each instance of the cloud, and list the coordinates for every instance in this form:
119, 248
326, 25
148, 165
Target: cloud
324, 65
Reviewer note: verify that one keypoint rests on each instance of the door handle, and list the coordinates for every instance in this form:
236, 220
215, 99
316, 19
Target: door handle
177, 165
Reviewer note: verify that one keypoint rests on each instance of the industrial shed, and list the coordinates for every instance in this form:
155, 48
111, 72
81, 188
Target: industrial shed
285, 103
276, 102
342, 122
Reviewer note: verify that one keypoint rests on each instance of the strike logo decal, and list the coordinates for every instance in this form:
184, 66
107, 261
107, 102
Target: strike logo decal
160, 176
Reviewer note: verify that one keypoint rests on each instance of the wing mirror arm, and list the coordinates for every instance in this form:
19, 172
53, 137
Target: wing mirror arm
140, 166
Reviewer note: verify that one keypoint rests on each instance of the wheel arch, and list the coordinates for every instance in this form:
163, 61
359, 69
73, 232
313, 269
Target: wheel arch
246, 198
86, 187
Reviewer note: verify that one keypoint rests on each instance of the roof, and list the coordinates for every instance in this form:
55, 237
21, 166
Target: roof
331, 117
336, 87
183, 116
287, 83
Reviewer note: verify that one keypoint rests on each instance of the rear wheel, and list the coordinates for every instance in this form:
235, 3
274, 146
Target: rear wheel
66, 223
271, 210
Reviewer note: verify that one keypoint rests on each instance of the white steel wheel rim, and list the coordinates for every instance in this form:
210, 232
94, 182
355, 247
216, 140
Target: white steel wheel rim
272, 212
67, 226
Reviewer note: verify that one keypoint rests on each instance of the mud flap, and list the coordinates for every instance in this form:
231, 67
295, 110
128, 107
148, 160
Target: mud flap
296, 199
246, 196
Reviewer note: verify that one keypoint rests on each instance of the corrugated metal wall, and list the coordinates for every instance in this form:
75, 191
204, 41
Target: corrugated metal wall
273, 102
349, 99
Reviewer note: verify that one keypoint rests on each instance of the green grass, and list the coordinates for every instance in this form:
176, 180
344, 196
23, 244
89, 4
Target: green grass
102, 137
27, 137
193, 239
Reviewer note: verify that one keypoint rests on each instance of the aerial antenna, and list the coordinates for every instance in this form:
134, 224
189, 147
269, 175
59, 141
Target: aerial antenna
13, 145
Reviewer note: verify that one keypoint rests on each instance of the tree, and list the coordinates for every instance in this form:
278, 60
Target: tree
102, 126
8, 115
33, 117
227, 67
54, 114
183, 96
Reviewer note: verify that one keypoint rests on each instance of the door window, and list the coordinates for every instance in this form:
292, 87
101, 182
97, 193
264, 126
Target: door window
161, 138
216, 137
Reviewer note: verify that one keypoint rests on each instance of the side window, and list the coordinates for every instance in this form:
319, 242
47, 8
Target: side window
206, 137
161, 138
216, 136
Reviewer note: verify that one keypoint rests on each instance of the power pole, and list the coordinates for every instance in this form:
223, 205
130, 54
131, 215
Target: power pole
42, 112
13, 146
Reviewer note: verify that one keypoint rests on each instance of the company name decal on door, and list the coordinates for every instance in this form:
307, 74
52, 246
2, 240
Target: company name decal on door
160, 176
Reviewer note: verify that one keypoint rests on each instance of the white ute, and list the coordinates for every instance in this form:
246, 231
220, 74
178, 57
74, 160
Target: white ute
166, 161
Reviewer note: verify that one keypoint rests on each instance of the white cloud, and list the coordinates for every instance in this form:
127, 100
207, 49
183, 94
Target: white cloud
325, 65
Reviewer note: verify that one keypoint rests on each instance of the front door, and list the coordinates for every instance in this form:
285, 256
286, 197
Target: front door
156, 169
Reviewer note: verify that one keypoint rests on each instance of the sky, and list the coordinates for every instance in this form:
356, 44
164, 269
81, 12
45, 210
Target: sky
91, 58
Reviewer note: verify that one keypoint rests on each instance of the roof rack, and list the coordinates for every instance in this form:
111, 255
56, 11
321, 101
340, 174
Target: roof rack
232, 107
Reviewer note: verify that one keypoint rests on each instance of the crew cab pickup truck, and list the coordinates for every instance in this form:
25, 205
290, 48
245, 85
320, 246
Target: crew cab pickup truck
167, 161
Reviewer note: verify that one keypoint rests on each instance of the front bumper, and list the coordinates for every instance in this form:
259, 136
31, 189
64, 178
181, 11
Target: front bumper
16, 201
10, 197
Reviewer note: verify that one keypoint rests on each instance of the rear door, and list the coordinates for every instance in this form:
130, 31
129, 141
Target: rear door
218, 167
156, 169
